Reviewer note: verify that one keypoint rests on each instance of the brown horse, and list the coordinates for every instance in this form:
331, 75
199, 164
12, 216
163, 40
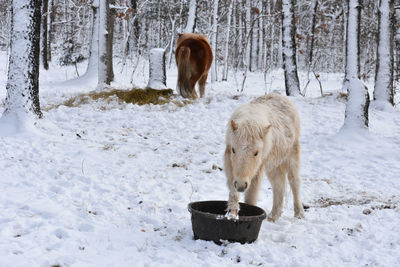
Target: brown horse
194, 57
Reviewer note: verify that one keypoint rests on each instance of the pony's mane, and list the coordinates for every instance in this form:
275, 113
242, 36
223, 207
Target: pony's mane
250, 124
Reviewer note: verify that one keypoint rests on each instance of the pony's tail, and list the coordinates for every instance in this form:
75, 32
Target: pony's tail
184, 73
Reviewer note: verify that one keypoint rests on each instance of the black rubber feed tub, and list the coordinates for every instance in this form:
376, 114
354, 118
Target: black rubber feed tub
209, 222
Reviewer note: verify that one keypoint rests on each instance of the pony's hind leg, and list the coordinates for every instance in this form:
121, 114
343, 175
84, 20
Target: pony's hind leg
202, 84
294, 181
277, 178
193, 89
251, 195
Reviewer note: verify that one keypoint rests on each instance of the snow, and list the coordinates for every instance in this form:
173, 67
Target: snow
108, 184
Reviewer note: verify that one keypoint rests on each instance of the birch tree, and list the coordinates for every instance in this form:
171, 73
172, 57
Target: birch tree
384, 91
356, 113
23, 70
261, 46
100, 64
247, 34
255, 25
292, 84
228, 31
93, 62
214, 42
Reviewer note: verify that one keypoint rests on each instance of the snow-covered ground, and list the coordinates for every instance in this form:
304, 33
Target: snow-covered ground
107, 184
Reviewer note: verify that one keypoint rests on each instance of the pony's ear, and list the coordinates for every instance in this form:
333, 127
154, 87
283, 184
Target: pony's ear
234, 125
179, 34
264, 131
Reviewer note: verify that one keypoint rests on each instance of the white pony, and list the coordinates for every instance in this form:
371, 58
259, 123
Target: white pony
263, 136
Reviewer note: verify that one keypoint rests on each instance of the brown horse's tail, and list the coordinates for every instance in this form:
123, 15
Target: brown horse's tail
184, 73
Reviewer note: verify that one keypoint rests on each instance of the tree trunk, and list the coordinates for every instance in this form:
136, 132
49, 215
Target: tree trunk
292, 84
397, 41
45, 9
384, 91
214, 42
261, 46
110, 39
272, 26
133, 30
192, 17
52, 16
228, 30
356, 113
157, 70
93, 62
247, 34
23, 70
106, 22
352, 68
254, 41
171, 44
314, 8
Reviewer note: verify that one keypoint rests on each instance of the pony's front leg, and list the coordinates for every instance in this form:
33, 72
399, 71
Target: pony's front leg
233, 205
233, 201
251, 195
277, 178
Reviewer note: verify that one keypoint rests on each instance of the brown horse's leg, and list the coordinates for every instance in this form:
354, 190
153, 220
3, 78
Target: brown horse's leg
202, 84
193, 88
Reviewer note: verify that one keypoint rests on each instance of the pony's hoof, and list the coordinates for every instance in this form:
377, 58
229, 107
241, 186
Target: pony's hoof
272, 218
299, 215
232, 215
299, 212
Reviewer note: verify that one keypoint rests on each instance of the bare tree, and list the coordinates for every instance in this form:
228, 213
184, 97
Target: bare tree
214, 42
45, 8
247, 35
106, 26
192, 16
23, 71
384, 91
310, 44
100, 63
292, 84
228, 30
397, 40
93, 62
51, 16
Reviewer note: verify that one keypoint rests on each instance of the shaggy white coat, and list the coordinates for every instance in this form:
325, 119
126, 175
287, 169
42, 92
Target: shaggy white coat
263, 137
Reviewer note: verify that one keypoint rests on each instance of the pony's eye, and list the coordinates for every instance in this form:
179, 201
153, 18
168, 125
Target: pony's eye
255, 154
233, 150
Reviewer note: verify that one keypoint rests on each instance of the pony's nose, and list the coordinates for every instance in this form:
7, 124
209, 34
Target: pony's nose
240, 187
